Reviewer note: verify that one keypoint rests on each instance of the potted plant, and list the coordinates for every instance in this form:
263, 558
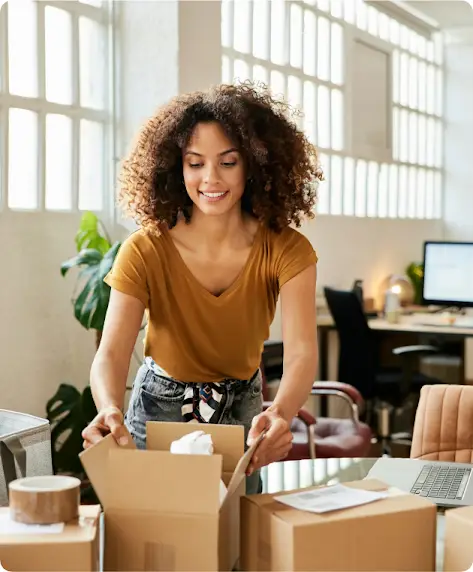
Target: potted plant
415, 273
70, 410
94, 259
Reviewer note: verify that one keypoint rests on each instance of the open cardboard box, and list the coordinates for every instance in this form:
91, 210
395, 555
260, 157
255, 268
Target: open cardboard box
162, 510
396, 533
76, 548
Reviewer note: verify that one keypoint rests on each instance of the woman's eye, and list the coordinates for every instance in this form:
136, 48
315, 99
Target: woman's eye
195, 165
229, 164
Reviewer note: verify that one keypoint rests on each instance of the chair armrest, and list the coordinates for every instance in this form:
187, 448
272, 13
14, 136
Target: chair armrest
344, 391
411, 350
307, 418
321, 387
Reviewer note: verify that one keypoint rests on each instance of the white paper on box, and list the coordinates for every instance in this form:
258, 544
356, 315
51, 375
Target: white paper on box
9, 526
327, 499
197, 443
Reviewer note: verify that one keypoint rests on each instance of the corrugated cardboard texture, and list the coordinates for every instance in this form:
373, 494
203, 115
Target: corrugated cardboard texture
458, 555
75, 549
365, 538
148, 541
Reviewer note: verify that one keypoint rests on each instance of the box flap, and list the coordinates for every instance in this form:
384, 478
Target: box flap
228, 440
95, 462
240, 471
164, 482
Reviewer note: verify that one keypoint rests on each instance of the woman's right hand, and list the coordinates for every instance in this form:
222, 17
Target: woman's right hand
108, 420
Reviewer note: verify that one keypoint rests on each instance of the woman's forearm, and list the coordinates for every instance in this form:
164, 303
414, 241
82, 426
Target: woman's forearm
298, 378
108, 378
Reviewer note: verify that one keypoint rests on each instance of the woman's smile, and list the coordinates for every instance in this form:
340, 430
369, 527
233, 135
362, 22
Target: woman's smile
212, 197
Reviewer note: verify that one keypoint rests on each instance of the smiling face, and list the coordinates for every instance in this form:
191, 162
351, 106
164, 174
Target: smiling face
214, 172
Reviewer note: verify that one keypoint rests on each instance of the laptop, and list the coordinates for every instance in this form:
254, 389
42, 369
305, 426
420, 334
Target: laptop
446, 484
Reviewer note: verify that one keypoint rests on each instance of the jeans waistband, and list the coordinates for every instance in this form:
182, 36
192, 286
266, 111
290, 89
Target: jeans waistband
158, 370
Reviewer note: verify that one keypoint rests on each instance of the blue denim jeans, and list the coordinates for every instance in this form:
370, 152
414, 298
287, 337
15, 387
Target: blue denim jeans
158, 398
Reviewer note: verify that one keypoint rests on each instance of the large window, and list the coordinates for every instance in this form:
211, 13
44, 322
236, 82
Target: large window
369, 88
54, 112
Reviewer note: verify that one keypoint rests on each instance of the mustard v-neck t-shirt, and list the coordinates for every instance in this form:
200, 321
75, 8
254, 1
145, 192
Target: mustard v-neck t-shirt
192, 334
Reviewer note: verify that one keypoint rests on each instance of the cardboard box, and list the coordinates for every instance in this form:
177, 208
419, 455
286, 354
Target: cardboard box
74, 549
396, 533
458, 546
162, 510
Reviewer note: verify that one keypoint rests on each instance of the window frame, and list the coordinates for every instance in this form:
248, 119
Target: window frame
74, 111
388, 165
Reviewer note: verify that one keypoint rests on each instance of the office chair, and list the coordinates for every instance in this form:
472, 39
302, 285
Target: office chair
443, 430
385, 390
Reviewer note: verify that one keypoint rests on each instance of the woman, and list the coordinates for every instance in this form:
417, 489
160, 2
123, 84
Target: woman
214, 182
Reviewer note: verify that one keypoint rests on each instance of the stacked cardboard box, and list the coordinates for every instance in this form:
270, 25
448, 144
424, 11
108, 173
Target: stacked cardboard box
394, 533
458, 550
76, 548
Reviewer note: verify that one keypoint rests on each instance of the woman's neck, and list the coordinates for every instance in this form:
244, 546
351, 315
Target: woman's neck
228, 229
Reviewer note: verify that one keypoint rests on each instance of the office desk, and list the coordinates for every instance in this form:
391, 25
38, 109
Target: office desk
406, 324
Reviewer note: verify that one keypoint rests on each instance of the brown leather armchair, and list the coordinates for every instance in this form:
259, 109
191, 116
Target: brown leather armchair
325, 437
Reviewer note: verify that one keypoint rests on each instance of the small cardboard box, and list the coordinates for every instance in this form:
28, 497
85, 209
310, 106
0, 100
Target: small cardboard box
395, 533
458, 547
162, 510
76, 548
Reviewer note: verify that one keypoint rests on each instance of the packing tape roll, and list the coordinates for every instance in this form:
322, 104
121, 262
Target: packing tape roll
44, 500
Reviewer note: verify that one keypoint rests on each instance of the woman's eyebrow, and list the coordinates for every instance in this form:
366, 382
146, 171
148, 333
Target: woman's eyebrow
232, 150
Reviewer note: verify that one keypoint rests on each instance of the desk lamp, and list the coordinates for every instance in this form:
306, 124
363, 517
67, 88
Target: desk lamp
399, 285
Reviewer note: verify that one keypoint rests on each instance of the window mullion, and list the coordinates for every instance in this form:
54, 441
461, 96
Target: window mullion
41, 40
4, 108
78, 8
4, 48
76, 120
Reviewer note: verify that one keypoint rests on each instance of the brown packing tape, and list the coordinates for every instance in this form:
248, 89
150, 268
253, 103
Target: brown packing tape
44, 500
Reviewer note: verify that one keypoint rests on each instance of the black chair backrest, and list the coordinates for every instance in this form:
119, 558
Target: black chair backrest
357, 362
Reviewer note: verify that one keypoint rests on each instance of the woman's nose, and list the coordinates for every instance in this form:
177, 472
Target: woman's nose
211, 174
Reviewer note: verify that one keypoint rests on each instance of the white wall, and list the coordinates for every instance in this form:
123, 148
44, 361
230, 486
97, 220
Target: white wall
366, 248
41, 343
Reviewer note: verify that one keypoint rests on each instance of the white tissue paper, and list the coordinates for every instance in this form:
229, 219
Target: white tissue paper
197, 443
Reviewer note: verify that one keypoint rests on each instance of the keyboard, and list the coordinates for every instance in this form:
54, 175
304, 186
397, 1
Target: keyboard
441, 482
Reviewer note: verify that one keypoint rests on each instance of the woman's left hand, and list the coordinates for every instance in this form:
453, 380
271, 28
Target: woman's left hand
277, 442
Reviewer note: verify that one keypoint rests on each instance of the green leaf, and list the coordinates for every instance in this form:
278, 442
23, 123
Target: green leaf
69, 411
93, 294
89, 236
87, 257
88, 405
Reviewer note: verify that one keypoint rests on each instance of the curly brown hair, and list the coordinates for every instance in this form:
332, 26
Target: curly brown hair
283, 169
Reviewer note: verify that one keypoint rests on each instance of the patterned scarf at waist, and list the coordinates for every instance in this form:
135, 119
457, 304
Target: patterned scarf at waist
203, 402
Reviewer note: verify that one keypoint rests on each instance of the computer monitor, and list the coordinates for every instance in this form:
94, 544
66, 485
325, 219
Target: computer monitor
448, 273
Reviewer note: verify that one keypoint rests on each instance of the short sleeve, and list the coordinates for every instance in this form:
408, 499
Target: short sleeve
295, 254
128, 273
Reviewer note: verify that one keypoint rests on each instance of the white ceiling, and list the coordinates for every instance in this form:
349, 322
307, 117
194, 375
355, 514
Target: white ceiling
447, 13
